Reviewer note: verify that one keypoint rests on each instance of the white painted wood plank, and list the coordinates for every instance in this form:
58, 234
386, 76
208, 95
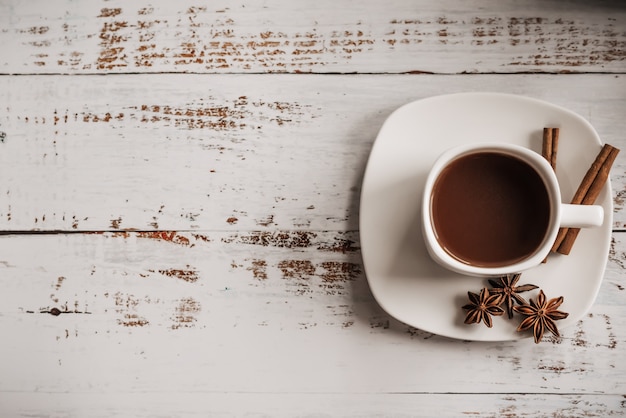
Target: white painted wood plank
185, 405
451, 36
229, 152
248, 313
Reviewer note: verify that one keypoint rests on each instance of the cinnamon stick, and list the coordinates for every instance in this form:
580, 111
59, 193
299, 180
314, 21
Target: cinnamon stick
550, 145
549, 148
587, 193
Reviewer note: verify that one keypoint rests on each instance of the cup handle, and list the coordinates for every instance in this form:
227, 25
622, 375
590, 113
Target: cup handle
581, 216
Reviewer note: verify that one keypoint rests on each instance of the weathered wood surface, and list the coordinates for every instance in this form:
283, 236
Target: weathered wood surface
187, 244
215, 152
453, 36
247, 313
314, 405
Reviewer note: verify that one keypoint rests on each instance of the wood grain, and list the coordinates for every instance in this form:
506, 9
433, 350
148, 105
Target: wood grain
196, 404
182, 313
230, 152
451, 36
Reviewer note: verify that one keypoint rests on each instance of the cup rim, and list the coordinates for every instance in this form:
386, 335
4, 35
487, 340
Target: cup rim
539, 164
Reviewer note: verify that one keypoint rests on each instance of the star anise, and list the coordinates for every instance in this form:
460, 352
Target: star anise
482, 307
506, 285
540, 315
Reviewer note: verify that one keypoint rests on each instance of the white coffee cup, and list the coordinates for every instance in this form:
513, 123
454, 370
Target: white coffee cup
558, 214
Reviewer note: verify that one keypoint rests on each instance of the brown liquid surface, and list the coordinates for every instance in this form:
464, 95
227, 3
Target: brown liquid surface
490, 209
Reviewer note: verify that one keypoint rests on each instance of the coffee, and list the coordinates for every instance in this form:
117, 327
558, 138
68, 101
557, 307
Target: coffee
490, 209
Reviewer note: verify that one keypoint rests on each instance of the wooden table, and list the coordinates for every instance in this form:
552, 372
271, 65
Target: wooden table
179, 190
